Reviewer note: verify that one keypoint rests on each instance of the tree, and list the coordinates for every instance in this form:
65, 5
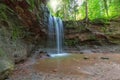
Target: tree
89, 9
86, 10
106, 7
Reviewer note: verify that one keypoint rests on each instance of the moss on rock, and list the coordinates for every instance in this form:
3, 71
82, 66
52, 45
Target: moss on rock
6, 66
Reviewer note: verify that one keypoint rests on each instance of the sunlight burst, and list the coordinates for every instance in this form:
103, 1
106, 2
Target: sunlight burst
54, 4
80, 2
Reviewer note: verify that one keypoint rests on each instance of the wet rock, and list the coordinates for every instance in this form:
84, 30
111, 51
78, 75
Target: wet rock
86, 51
44, 13
86, 57
96, 47
104, 58
42, 54
55, 70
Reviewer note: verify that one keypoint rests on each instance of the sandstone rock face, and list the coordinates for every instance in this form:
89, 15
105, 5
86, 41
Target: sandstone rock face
43, 15
102, 34
6, 66
17, 42
14, 49
11, 51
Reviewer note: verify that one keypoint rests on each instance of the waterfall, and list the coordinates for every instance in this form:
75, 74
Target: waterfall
59, 34
51, 33
55, 36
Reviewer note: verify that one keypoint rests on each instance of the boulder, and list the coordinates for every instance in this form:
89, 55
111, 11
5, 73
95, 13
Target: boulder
6, 66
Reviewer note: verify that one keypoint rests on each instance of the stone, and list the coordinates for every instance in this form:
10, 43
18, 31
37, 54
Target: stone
104, 58
6, 66
55, 70
86, 51
86, 57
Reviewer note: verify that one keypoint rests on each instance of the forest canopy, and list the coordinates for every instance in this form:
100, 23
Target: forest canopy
80, 9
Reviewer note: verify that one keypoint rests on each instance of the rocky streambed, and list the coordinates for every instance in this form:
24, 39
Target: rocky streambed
95, 65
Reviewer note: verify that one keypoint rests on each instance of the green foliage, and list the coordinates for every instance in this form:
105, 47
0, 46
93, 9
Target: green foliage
2, 53
100, 21
104, 29
71, 42
16, 32
3, 15
11, 22
97, 9
31, 3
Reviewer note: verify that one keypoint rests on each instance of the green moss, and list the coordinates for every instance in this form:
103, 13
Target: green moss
92, 37
16, 32
6, 66
3, 15
71, 42
100, 21
2, 53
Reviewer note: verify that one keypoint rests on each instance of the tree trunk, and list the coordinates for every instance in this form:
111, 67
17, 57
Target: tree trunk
86, 12
106, 7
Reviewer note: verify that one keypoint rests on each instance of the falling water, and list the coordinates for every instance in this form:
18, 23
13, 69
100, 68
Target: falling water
59, 33
51, 33
55, 36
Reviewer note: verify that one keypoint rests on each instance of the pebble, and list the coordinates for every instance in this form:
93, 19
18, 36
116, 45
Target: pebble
104, 58
86, 57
